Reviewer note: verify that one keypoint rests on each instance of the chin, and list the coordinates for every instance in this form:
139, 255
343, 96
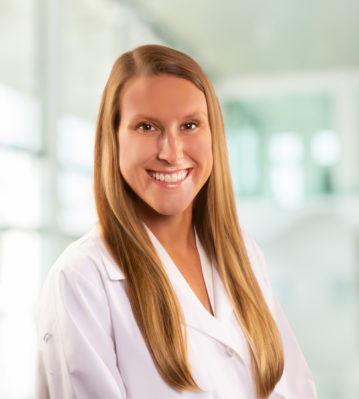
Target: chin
169, 210
162, 207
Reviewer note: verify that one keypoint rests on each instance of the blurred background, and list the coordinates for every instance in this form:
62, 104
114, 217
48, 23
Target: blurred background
287, 76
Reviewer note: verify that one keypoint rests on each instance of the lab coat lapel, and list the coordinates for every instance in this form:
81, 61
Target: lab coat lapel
222, 327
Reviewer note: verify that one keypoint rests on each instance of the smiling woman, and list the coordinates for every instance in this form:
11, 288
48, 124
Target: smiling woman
165, 157
167, 296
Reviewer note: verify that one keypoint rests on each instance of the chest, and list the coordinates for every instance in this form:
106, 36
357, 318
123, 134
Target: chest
189, 265
218, 370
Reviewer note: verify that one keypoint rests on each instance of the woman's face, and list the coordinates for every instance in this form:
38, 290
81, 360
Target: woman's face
164, 141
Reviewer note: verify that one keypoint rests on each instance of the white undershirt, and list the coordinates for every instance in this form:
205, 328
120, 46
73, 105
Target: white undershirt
207, 271
206, 265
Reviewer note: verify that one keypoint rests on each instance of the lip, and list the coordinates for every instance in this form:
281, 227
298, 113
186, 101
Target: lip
169, 184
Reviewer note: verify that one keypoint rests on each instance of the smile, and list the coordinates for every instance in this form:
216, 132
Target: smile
175, 177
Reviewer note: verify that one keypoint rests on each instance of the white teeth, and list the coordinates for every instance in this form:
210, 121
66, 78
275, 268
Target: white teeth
170, 177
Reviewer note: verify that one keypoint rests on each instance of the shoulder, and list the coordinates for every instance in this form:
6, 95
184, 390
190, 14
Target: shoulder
88, 258
81, 257
73, 309
78, 278
84, 267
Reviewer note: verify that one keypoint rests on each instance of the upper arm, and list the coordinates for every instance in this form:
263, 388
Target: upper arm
77, 357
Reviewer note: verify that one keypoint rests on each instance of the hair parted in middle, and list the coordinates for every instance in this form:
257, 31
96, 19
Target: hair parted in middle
154, 303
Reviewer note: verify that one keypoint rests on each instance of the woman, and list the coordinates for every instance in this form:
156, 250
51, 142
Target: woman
167, 296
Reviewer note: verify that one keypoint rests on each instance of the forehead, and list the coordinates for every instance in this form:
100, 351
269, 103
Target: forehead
161, 95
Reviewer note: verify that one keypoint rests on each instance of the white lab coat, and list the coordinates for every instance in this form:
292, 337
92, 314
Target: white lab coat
90, 347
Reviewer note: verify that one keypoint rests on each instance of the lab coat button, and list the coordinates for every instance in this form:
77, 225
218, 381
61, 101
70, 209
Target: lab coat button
46, 337
229, 351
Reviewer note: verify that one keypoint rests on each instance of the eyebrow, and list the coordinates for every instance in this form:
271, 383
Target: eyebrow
189, 116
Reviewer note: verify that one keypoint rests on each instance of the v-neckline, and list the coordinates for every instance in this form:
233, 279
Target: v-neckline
219, 325
174, 272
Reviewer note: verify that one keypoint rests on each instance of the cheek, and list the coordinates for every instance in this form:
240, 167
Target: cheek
201, 150
133, 152
126, 158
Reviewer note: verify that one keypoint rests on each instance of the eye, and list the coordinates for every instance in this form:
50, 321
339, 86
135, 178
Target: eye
190, 125
145, 126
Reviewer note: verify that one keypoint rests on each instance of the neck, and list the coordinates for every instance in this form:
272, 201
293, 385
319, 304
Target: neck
174, 231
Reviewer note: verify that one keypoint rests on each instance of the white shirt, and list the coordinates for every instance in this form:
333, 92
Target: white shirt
90, 347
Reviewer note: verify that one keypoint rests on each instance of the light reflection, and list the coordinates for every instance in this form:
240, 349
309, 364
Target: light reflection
19, 115
19, 287
76, 141
325, 147
286, 174
244, 159
77, 208
287, 182
20, 199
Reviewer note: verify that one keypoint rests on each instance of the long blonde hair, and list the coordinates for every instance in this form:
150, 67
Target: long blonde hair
153, 301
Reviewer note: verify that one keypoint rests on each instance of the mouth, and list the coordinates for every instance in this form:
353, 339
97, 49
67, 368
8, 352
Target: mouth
170, 179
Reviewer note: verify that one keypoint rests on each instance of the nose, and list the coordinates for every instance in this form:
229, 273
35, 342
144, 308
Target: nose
170, 147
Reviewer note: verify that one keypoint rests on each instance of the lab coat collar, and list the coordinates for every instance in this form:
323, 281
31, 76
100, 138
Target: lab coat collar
223, 327
113, 270
196, 316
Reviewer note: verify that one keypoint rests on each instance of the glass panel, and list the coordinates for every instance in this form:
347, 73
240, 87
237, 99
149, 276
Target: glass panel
92, 38
19, 286
286, 168
20, 117
76, 142
325, 149
244, 159
19, 111
306, 115
20, 199
76, 204
313, 261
